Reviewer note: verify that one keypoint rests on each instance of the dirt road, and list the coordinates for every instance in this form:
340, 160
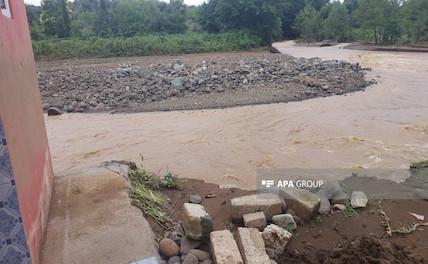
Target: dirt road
385, 126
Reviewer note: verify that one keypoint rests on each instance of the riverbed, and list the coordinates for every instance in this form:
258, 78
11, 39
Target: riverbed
385, 126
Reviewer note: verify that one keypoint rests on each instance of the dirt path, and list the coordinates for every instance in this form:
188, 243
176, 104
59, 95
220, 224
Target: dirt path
383, 127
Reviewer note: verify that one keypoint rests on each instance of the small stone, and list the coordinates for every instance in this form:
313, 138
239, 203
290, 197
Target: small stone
190, 259
268, 203
359, 199
224, 248
276, 240
196, 199
339, 207
168, 248
187, 244
303, 202
54, 111
285, 221
196, 221
255, 220
200, 254
252, 246
177, 82
324, 202
174, 260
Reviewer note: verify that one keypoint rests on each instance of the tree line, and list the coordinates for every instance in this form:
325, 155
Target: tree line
377, 21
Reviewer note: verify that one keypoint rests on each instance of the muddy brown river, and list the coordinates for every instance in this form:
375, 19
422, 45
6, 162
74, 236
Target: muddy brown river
385, 126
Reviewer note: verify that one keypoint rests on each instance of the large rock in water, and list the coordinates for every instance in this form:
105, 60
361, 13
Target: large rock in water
268, 203
359, 199
224, 248
276, 240
304, 203
197, 223
252, 246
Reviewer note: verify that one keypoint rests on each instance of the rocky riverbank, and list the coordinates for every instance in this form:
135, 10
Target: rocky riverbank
194, 82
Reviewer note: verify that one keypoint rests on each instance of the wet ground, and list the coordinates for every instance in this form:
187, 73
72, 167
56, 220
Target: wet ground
385, 126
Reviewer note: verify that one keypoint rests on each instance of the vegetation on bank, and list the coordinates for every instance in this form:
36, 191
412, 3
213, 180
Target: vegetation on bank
143, 45
116, 24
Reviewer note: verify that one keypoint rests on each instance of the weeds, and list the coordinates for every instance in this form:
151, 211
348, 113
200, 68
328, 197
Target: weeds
349, 211
419, 165
143, 45
145, 193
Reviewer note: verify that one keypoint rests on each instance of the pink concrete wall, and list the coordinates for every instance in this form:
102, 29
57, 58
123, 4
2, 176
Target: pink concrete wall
21, 112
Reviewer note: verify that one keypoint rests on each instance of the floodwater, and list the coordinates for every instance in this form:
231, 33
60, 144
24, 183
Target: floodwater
385, 126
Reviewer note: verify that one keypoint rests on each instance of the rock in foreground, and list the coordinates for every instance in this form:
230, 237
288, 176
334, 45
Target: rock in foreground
224, 248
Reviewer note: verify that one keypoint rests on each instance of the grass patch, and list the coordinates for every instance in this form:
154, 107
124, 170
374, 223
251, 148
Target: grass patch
96, 47
145, 193
419, 165
350, 211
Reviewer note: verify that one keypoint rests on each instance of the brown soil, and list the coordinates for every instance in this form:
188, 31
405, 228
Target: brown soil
335, 238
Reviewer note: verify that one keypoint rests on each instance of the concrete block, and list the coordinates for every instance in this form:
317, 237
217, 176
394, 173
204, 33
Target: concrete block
255, 220
196, 221
268, 203
224, 249
276, 240
304, 203
252, 246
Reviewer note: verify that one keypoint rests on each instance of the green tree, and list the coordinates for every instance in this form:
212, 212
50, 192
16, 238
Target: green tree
55, 18
308, 23
336, 25
415, 13
33, 16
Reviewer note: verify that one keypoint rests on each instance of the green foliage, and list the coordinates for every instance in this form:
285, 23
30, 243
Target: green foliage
336, 25
55, 18
308, 23
143, 45
260, 17
144, 192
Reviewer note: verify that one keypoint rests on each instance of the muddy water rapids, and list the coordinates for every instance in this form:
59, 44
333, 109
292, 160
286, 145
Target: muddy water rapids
385, 126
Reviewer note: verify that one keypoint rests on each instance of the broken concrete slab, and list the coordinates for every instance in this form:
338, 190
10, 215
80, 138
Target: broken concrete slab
197, 222
304, 203
268, 203
359, 199
276, 240
255, 220
285, 221
340, 198
252, 246
224, 248
82, 208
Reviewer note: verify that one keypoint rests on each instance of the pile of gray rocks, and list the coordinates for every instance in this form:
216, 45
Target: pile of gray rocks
265, 225
77, 88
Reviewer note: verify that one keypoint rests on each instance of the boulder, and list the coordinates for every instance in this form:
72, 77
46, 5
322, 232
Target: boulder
187, 244
340, 198
268, 203
168, 248
276, 240
196, 199
255, 220
304, 203
324, 202
54, 111
190, 259
197, 222
285, 221
252, 246
331, 189
359, 199
224, 248
200, 254
174, 260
